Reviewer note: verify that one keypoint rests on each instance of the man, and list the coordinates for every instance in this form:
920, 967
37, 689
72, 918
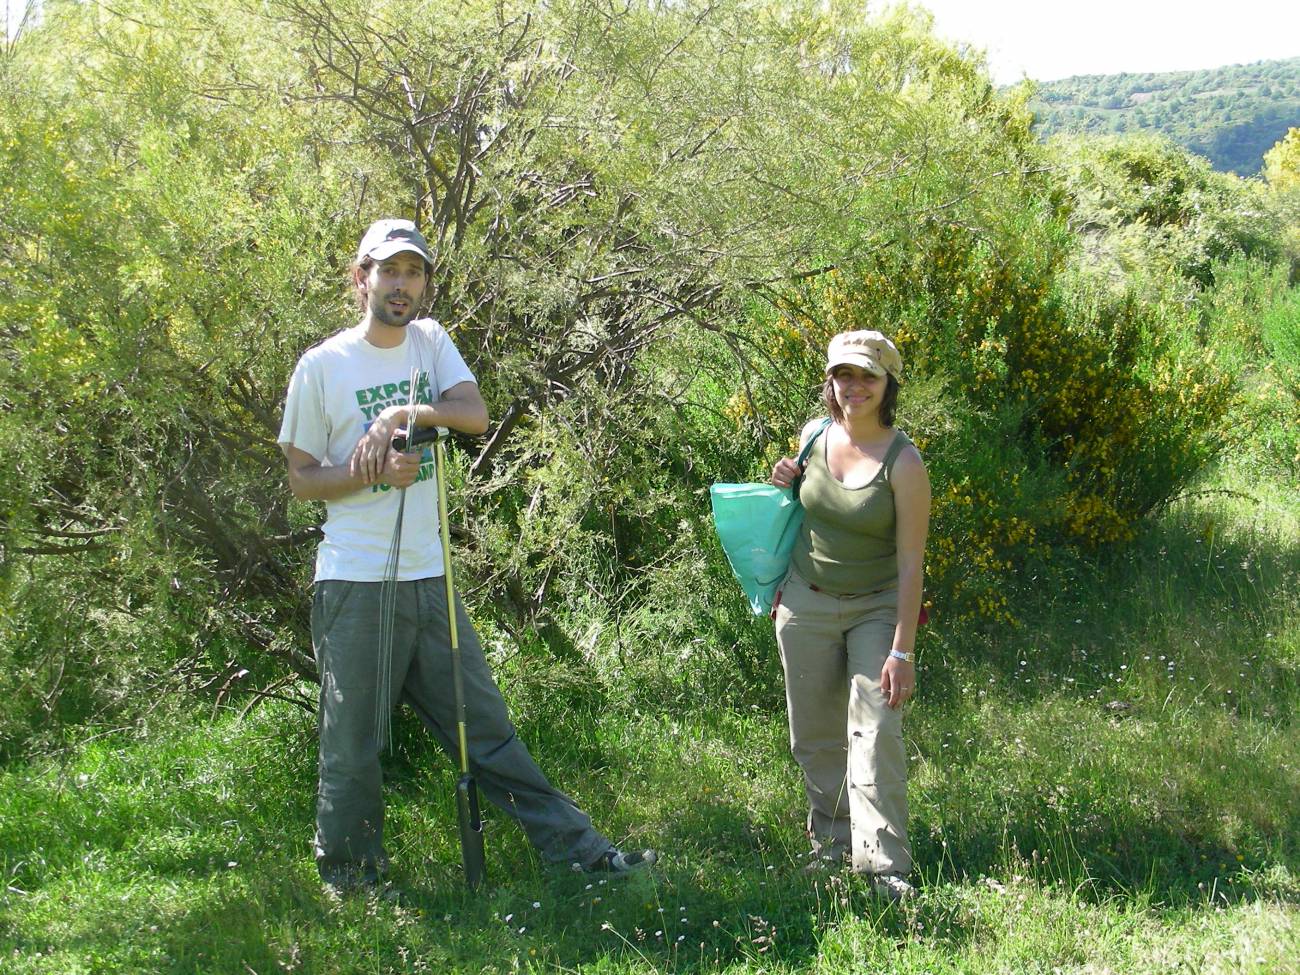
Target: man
348, 396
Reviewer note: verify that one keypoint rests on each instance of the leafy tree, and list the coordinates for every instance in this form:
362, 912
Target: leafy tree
647, 219
611, 193
1148, 205
1282, 163
1282, 171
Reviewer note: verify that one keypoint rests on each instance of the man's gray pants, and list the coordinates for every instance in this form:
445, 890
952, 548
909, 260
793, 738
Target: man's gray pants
349, 806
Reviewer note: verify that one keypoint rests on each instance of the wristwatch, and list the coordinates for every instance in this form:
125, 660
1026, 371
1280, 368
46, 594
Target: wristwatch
909, 657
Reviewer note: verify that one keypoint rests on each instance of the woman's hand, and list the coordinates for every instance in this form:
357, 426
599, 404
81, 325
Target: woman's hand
897, 681
785, 472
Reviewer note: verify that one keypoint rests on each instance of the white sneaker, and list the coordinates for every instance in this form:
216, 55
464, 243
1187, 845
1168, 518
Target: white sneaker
822, 865
616, 861
383, 892
892, 886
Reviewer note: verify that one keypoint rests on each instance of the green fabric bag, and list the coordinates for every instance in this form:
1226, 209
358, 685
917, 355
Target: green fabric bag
757, 525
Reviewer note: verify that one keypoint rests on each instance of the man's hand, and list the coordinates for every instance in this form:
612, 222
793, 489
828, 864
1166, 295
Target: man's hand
897, 681
311, 481
370, 456
401, 470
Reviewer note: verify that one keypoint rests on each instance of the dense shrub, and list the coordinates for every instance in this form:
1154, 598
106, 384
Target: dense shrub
1250, 321
643, 245
1053, 408
1143, 205
1278, 432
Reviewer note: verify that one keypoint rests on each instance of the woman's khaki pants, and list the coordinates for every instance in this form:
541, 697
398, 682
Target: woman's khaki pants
844, 736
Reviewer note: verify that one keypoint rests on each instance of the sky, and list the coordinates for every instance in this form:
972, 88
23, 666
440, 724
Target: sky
1047, 41
11, 15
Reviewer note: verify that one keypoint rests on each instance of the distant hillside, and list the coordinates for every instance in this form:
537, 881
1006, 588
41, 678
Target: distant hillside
1231, 115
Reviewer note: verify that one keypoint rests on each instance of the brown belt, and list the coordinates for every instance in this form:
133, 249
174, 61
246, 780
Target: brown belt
820, 589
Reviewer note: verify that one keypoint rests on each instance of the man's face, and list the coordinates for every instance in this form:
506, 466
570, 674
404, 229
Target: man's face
393, 288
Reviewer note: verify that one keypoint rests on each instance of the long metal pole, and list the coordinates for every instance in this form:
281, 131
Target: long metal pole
467, 805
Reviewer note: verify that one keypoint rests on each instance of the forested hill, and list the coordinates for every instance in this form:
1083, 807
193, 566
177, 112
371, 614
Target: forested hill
1230, 115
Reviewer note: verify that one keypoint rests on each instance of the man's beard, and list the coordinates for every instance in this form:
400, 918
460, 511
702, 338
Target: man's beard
379, 309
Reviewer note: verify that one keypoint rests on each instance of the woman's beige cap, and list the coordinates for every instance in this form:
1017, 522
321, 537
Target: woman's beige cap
869, 350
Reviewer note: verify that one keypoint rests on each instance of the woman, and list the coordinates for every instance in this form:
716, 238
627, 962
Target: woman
846, 615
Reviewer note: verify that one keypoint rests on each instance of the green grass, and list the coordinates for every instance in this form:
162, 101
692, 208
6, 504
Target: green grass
1113, 786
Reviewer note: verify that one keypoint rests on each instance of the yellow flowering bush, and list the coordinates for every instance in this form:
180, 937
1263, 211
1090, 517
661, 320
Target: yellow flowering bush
1052, 410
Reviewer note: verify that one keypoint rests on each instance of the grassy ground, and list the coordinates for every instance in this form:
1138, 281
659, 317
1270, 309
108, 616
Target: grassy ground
1112, 787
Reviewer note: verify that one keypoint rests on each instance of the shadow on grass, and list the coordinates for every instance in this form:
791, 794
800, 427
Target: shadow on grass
1167, 867
1210, 601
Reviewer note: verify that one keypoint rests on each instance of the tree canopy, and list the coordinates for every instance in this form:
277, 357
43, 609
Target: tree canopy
1282, 163
648, 220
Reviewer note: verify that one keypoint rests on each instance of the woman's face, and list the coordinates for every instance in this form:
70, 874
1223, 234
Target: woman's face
857, 391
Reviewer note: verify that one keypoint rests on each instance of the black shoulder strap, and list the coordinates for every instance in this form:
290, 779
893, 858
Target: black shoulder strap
802, 459
807, 448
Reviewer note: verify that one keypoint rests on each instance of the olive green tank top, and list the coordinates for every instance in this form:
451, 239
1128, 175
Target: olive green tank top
847, 542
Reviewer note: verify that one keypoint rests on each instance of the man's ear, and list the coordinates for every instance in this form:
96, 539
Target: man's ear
359, 276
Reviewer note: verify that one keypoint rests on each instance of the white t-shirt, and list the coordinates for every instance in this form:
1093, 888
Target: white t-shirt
337, 389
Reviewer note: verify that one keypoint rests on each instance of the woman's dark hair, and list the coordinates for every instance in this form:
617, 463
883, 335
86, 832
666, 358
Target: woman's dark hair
888, 402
